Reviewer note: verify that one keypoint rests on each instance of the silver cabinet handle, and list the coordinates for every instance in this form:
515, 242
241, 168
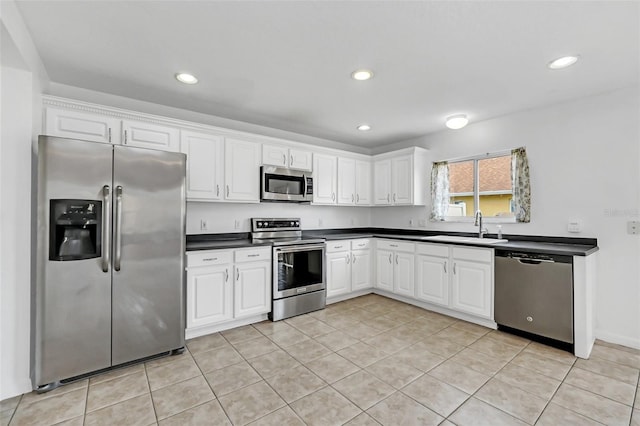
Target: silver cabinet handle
394, 197
217, 190
209, 259
117, 231
388, 198
125, 136
340, 246
393, 245
445, 266
333, 196
454, 268
353, 257
396, 259
353, 198
357, 198
226, 275
284, 159
390, 257
106, 221
227, 190
348, 259
237, 274
291, 160
109, 134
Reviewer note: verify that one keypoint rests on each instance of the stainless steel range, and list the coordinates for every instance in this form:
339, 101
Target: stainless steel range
299, 273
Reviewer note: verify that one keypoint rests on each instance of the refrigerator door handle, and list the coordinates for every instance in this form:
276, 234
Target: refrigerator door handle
117, 237
106, 220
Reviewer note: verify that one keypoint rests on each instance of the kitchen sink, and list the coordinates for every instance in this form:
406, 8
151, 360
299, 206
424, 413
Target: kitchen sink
470, 240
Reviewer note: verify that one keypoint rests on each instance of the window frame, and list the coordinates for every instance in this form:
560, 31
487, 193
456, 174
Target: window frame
476, 189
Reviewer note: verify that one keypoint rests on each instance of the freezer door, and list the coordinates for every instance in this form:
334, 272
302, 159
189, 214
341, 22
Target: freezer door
72, 299
148, 253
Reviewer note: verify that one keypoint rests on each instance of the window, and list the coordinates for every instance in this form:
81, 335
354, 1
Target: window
481, 184
496, 184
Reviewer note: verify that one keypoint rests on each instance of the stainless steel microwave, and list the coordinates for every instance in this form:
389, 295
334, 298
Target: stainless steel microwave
279, 184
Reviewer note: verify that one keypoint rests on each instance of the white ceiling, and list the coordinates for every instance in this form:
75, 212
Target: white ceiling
287, 64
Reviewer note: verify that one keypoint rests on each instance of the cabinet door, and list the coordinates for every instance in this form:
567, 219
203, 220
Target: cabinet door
471, 288
209, 295
382, 182
148, 135
252, 289
432, 279
324, 179
300, 160
363, 183
338, 273
360, 269
273, 155
346, 181
402, 180
403, 276
205, 165
242, 170
81, 125
384, 270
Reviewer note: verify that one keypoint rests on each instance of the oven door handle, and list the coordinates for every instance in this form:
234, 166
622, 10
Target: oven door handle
296, 248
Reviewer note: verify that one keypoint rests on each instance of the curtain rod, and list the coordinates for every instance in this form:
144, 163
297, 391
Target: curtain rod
479, 156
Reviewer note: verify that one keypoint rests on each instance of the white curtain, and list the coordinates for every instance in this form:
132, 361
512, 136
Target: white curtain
439, 190
521, 185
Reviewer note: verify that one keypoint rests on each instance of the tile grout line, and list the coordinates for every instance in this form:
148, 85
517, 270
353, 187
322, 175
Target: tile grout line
153, 405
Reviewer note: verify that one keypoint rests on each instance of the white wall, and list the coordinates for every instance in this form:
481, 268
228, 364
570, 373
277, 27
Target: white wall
584, 162
221, 217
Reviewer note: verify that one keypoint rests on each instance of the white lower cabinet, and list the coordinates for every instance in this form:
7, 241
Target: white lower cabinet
395, 267
348, 266
457, 277
224, 285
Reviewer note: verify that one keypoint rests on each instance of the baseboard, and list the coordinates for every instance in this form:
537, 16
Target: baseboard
192, 333
348, 296
9, 390
616, 339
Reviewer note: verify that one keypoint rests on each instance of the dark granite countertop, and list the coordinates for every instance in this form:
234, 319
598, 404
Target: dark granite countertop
526, 243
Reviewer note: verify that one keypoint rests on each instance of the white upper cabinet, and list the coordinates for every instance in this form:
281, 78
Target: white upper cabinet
242, 170
149, 135
363, 183
81, 125
382, 182
281, 156
401, 177
205, 165
324, 179
346, 181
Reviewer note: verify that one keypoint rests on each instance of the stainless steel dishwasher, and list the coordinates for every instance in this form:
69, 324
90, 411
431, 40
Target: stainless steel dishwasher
534, 294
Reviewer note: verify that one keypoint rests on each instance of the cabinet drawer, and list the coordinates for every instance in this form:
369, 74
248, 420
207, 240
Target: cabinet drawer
361, 244
473, 254
441, 250
253, 254
209, 257
395, 245
341, 245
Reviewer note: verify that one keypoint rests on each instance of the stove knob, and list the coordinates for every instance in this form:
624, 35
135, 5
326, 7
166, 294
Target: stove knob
297, 223
292, 223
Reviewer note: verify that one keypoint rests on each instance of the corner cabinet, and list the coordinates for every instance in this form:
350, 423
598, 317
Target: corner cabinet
395, 267
401, 177
224, 286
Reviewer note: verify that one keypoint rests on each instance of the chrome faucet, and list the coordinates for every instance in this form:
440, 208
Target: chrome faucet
478, 223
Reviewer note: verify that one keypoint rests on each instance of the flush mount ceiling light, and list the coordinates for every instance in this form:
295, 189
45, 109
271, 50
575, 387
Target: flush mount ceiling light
564, 62
457, 121
186, 78
364, 127
362, 75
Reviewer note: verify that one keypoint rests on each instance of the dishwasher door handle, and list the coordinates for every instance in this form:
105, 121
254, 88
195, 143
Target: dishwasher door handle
532, 261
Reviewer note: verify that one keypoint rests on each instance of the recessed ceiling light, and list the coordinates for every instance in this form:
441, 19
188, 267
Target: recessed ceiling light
362, 75
457, 121
364, 127
186, 78
565, 61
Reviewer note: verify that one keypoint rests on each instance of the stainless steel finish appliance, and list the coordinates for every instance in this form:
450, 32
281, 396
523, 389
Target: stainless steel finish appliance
110, 257
279, 184
534, 294
299, 272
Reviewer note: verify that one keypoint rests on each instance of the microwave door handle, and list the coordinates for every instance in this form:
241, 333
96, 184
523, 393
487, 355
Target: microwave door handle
304, 185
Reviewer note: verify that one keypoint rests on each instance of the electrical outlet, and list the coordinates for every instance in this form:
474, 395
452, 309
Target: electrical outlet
203, 225
633, 227
237, 224
411, 222
574, 226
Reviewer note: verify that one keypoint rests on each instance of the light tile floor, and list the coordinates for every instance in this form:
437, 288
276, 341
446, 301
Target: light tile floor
365, 361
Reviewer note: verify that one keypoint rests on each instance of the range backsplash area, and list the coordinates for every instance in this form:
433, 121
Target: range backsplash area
235, 217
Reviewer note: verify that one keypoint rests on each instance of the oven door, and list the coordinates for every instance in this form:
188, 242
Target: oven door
278, 184
298, 269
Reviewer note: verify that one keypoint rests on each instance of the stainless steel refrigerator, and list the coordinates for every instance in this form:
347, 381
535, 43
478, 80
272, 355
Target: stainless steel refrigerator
110, 257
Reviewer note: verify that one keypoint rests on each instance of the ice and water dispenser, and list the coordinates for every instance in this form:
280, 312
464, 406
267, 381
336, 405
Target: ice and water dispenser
75, 229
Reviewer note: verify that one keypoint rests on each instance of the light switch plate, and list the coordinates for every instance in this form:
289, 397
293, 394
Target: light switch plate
203, 225
633, 227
